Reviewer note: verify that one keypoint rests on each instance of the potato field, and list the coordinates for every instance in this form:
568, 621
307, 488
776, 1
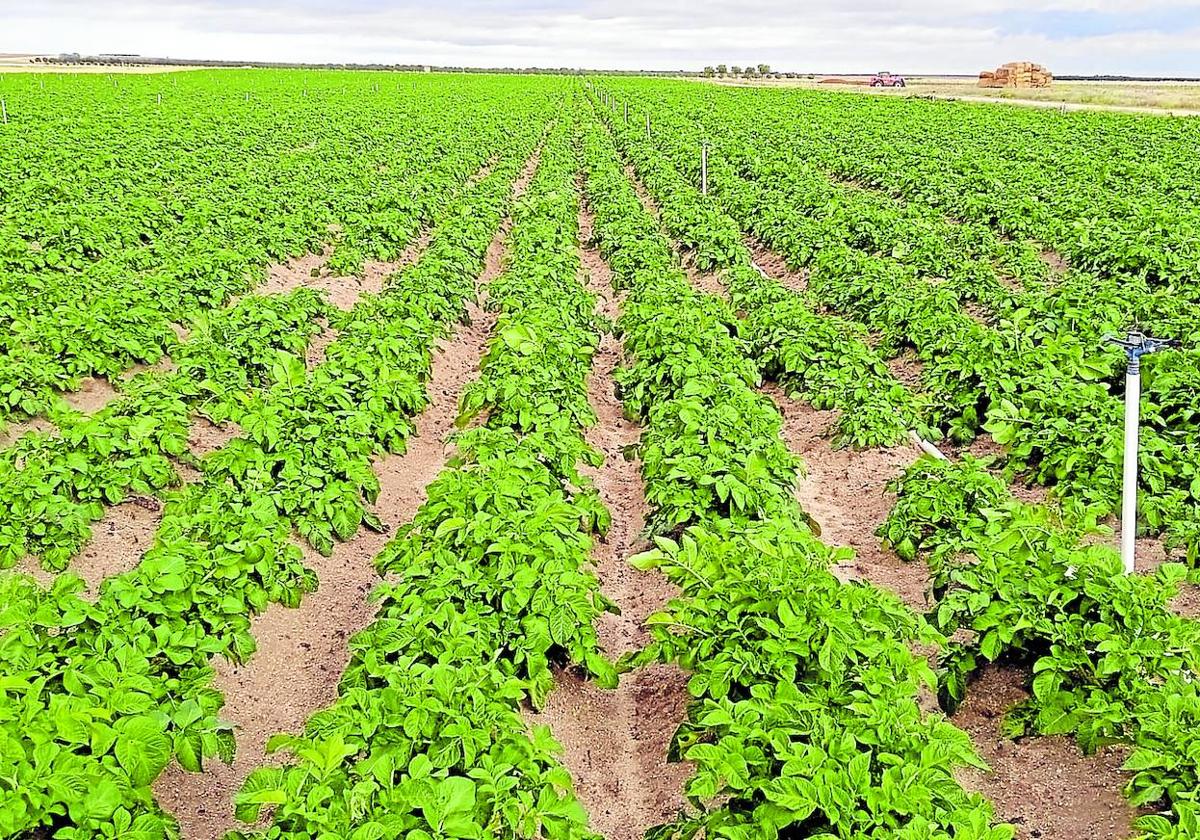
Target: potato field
423, 456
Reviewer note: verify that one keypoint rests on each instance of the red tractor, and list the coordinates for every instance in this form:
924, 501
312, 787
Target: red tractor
886, 79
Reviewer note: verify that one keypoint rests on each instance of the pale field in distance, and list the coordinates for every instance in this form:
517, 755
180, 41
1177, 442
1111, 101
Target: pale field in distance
1180, 97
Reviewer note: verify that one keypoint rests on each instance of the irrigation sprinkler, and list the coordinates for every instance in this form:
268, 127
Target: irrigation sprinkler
4, 111
626, 113
704, 168
1135, 346
647, 125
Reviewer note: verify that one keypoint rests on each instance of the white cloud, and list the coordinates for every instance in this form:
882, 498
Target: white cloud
935, 36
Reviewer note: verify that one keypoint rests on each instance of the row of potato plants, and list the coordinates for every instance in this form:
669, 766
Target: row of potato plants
1030, 375
1113, 193
98, 697
1110, 660
804, 720
824, 360
120, 216
57, 483
489, 587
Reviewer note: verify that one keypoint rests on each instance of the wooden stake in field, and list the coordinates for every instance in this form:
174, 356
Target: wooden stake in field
160, 99
626, 113
4, 111
704, 168
647, 125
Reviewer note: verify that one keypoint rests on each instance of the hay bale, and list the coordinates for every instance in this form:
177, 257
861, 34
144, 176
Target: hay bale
1016, 74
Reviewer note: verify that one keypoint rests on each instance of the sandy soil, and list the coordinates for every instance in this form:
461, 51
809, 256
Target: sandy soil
775, 266
314, 353
615, 742
308, 271
845, 492
1057, 262
16, 429
643, 194
305, 649
907, 369
298, 272
94, 393
30, 565
205, 437
1043, 785
709, 282
118, 541
1187, 602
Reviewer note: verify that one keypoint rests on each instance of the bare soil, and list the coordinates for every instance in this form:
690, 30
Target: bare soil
296, 273
1044, 785
376, 273
774, 265
1160, 98
845, 492
1057, 262
907, 369
118, 541
16, 429
616, 741
1187, 602
93, 394
303, 652
308, 271
709, 282
314, 353
205, 436
643, 194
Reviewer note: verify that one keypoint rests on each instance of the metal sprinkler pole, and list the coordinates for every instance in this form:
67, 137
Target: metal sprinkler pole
704, 168
1135, 346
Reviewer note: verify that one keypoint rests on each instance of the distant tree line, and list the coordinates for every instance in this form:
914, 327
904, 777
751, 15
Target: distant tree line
750, 71
112, 60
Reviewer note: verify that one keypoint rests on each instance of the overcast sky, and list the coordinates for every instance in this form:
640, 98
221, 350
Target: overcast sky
929, 36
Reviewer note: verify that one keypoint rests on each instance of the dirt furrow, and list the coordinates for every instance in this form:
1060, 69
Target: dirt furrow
845, 492
15, 429
775, 266
118, 541
1043, 785
341, 291
303, 652
616, 741
93, 394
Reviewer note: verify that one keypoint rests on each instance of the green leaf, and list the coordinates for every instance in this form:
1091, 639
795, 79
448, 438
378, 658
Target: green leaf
142, 750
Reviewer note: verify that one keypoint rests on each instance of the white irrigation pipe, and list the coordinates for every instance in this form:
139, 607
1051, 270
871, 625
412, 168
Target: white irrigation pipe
1135, 346
926, 446
1129, 464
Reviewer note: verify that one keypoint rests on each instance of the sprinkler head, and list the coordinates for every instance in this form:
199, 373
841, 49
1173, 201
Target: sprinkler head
1138, 344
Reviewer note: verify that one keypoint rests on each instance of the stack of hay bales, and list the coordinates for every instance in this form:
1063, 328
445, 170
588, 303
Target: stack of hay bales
1016, 74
